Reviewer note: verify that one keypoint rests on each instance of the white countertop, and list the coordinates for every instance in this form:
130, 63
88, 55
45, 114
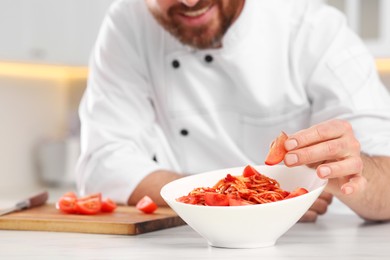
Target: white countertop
337, 235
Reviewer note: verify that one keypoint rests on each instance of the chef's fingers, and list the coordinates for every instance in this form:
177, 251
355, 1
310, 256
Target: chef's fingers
328, 197
320, 206
332, 150
309, 216
348, 166
355, 184
325, 131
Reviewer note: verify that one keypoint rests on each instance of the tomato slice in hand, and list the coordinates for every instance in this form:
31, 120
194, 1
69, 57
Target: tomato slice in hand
277, 151
108, 205
216, 199
296, 193
146, 205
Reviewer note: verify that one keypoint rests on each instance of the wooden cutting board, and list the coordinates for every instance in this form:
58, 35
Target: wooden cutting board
123, 221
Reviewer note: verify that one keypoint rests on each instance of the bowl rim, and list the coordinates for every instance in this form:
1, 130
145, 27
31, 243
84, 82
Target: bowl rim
247, 207
263, 205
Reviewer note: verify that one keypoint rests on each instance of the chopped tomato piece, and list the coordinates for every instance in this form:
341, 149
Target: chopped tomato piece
89, 205
238, 202
67, 204
92, 196
277, 151
216, 199
296, 193
108, 205
230, 178
188, 199
146, 205
70, 194
249, 171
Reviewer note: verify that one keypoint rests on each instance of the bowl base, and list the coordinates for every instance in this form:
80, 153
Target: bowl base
242, 246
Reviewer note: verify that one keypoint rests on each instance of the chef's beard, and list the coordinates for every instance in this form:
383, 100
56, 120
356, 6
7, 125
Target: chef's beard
201, 37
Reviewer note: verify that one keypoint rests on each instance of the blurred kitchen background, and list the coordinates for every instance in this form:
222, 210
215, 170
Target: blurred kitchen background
44, 51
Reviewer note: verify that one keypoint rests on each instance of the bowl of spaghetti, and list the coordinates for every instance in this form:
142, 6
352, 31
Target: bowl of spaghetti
244, 207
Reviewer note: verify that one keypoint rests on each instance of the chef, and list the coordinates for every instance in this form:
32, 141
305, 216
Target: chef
179, 87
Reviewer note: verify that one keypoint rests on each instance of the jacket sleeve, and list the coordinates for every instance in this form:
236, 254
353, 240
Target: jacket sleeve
118, 123
342, 80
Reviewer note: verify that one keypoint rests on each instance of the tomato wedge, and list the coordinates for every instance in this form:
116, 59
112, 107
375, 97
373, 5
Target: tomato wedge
216, 199
277, 151
238, 202
296, 193
89, 205
67, 204
146, 205
188, 199
108, 205
249, 171
70, 194
97, 196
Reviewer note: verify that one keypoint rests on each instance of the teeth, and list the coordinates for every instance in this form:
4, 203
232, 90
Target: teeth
196, 13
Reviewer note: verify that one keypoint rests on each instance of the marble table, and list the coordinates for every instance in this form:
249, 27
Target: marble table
336, 235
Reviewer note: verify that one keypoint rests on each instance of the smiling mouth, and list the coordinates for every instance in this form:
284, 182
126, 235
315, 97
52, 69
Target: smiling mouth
196, 13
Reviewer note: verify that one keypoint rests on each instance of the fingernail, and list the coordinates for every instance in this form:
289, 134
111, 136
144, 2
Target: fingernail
291, 159
347, 190
324, 172
290, 144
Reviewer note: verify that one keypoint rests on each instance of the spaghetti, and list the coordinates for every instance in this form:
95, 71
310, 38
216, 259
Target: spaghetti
249, 188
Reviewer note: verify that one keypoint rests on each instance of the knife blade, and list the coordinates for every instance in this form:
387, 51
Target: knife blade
30, 202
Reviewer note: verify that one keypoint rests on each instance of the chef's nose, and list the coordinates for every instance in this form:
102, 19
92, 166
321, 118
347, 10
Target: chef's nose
189, 3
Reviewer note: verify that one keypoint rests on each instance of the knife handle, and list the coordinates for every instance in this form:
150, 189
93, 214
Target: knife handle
33, 201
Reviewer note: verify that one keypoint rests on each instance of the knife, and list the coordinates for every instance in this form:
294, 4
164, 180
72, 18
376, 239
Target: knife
32, 201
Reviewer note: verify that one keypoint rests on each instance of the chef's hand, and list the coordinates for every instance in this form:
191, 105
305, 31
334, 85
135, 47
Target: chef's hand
332, 148
319, 207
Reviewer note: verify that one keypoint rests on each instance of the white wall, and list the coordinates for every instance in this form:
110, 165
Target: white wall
52, 31
34, 112
371, 20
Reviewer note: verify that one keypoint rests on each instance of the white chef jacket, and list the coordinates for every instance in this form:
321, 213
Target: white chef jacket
153, 103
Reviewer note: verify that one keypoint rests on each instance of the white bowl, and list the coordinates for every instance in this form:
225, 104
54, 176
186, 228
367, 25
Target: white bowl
245, 226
